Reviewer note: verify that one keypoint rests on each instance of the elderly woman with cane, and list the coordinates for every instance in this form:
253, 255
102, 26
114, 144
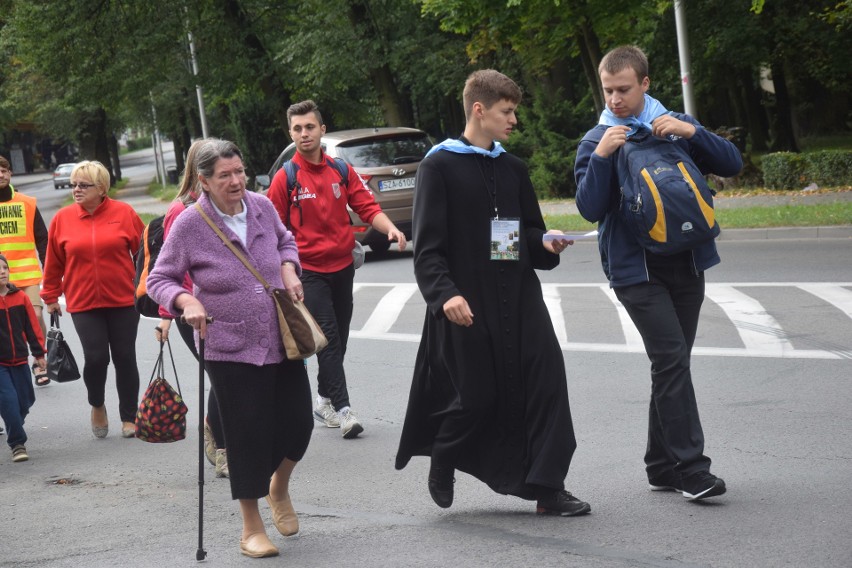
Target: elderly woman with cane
264, 398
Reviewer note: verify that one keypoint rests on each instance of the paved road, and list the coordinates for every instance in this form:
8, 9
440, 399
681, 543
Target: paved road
773, 378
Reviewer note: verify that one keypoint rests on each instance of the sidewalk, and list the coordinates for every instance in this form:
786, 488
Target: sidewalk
135, 194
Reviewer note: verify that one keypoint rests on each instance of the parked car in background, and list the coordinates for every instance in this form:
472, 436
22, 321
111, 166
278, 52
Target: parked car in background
62, 176
386, 159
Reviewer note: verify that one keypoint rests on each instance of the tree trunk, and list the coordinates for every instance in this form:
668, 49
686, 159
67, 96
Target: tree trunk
785, 138
180, 151
115, 155
270, 84
754, 112
93, 141
396, 108
590, 57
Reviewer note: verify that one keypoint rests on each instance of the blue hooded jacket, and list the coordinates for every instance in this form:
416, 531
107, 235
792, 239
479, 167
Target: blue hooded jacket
598, 195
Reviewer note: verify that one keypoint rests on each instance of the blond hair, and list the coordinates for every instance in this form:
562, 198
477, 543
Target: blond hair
93, 170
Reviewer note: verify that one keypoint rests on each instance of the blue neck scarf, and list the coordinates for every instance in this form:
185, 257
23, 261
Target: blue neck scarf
460, 147
651, 110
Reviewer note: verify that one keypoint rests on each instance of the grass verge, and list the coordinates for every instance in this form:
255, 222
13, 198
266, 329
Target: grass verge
826, 214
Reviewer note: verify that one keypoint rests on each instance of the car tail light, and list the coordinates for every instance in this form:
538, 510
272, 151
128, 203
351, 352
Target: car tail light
365, 178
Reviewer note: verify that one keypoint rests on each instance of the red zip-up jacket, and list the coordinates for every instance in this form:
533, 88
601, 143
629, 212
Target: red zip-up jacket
90, 256
19, 328
320, 221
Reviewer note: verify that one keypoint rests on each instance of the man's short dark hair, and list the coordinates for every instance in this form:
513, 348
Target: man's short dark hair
304, 107
4, 163
624, 57
488, 86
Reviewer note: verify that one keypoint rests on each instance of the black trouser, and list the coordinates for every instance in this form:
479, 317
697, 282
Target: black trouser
328, 296
105, 331
187, 333
665, 310
266, 416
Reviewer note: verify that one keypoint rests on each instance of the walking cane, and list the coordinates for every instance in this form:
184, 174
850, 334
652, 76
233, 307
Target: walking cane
201, 554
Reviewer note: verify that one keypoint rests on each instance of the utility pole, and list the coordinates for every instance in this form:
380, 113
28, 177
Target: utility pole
158, 147
198, 89
683, 55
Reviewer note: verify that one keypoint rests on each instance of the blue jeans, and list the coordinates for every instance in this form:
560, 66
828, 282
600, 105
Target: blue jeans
16, 397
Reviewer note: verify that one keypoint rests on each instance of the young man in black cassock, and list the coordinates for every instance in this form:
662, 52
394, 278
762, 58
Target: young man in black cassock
489, 394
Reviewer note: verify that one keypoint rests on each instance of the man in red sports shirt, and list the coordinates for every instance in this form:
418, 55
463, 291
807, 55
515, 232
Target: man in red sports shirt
316, 214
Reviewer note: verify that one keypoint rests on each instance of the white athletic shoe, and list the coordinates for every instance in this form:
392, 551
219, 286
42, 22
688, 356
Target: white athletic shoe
349, 424
325, 414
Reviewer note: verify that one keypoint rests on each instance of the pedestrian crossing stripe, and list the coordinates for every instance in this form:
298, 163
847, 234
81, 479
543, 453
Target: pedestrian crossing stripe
759, 332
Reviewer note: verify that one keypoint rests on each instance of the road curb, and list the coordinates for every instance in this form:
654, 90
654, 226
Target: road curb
780, 233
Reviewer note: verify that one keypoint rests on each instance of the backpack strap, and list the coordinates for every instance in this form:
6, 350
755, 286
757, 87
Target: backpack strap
341, 167
291, 169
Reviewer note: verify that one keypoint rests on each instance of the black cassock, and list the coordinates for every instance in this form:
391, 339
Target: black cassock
507, 368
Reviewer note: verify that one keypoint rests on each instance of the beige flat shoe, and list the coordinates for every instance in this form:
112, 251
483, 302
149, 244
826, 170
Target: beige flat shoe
258, 545
99, 414
284, 516
128, 429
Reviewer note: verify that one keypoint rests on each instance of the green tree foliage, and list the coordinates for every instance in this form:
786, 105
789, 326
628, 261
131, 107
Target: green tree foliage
89, 69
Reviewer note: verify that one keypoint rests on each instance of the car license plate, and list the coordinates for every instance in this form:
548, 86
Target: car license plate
395, 184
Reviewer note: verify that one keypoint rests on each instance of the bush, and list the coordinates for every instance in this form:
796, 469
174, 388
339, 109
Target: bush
829, 167
783, 170
139, 143
786, 170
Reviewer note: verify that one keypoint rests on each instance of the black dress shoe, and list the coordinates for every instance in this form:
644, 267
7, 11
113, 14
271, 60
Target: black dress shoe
441, 486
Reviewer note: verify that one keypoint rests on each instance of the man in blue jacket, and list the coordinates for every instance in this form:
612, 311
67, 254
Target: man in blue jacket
662, 294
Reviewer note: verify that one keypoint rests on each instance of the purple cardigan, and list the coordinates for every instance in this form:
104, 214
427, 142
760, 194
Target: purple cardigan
245, 323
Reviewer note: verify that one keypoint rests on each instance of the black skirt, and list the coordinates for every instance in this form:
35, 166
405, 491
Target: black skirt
266, 416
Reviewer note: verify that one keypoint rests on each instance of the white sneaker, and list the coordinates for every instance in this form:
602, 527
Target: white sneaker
349, 424
324, 413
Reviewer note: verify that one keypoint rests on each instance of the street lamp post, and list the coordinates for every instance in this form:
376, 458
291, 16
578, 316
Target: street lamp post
683, 55
198, 89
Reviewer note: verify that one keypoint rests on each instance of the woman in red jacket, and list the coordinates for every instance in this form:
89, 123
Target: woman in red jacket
90, 251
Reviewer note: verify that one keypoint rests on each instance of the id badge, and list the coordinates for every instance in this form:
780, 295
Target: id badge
505, 239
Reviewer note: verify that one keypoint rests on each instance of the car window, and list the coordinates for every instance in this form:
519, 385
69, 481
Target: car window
380, 152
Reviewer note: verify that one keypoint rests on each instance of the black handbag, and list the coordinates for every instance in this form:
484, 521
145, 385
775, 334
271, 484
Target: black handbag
61, 365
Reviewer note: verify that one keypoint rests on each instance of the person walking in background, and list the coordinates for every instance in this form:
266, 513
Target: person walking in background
489, 395
214, 440
316, 212
19, 330
24, 242
662, 294
91, 244
264, 398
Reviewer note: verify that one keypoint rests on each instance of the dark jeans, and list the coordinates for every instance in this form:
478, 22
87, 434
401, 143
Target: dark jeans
329, 299
16, 397
188, 336
665, 311
105, 331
